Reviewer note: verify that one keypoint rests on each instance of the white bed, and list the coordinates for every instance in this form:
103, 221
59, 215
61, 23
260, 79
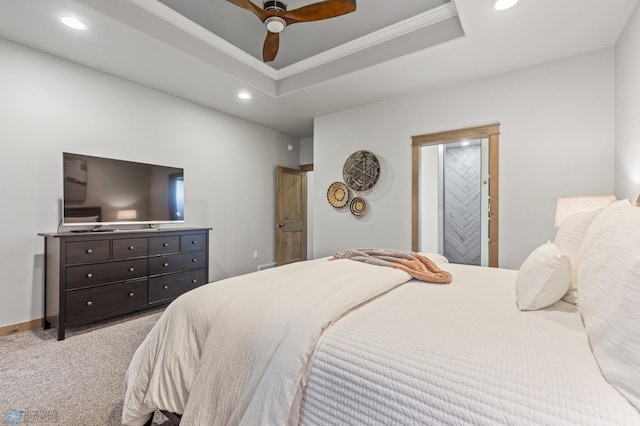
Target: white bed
343, 342
460, 354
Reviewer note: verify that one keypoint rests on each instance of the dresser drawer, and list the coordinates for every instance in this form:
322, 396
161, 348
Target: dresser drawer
162, 245
193, 242
129, 247
176, 263
87, 251
170, 286
100, 273
104, 301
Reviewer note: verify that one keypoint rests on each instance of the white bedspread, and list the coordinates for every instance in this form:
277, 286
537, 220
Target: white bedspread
234, 352
460, 354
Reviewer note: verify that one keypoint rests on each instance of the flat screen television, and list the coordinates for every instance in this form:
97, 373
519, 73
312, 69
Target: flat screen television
105, 191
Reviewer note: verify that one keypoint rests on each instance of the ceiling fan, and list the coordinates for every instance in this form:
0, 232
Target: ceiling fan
275, 16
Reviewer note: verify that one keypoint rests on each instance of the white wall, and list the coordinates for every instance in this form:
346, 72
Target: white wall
48, 106
557, 139
306, 151
429, 198
627, 160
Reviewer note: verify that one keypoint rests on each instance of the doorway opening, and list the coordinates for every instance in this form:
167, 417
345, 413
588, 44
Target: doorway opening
455, 194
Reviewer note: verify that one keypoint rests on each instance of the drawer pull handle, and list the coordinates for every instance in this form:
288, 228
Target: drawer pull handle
165, 264
165, 244
165, 287
131, 294
89, 275
194, 260
194, 281
131, 247
89, 251
194, 242
131, 269
89, 303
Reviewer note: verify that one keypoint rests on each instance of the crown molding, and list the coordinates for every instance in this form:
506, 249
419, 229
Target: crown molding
423, 20
399, 29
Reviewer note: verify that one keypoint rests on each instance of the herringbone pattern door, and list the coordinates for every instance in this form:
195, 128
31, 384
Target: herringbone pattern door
462, 204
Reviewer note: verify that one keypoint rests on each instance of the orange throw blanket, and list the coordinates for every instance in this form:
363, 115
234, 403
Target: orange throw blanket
418, 266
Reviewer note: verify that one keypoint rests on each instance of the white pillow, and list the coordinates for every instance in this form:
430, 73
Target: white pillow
569, 238
436, 258
543, 278
609, 295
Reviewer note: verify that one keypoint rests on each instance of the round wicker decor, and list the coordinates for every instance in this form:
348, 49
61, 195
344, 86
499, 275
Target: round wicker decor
358, 206
338, 194
361, 171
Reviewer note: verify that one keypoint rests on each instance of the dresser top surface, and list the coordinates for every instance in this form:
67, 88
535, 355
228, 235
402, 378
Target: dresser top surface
121, 232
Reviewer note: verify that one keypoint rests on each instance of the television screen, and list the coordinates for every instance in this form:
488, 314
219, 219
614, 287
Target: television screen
104, 191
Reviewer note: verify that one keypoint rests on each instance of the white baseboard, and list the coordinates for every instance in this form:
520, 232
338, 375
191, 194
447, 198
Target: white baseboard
266, 266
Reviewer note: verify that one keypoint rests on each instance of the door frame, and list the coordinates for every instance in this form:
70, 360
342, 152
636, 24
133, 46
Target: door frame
490, 131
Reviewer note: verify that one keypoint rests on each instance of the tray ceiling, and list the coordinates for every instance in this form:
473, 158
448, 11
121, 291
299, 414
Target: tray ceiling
301, 41
205, 51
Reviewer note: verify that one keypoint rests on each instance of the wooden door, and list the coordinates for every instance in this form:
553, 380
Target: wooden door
291, 215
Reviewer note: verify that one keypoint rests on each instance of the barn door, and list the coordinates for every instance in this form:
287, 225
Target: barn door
462, 213
291, 215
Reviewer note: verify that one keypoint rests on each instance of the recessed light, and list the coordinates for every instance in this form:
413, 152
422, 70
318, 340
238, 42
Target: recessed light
244, 95
504, 4
465, 143
73, 22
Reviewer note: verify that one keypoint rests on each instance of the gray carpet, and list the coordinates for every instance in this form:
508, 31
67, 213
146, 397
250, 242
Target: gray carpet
73, 382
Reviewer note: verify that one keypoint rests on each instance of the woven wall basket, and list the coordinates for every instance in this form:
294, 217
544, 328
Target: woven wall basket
358, 206
338, 194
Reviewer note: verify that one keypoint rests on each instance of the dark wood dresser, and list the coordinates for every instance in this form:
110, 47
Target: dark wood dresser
97, 275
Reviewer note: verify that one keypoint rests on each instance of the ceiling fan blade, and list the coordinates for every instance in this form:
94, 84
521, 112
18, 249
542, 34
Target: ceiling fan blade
251, 7
271, 45
318, 11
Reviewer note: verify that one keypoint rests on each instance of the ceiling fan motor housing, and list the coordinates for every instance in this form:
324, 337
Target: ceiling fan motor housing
274, 5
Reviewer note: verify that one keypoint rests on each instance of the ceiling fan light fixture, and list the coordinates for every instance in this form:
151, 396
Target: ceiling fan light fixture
504, 4
275, 24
